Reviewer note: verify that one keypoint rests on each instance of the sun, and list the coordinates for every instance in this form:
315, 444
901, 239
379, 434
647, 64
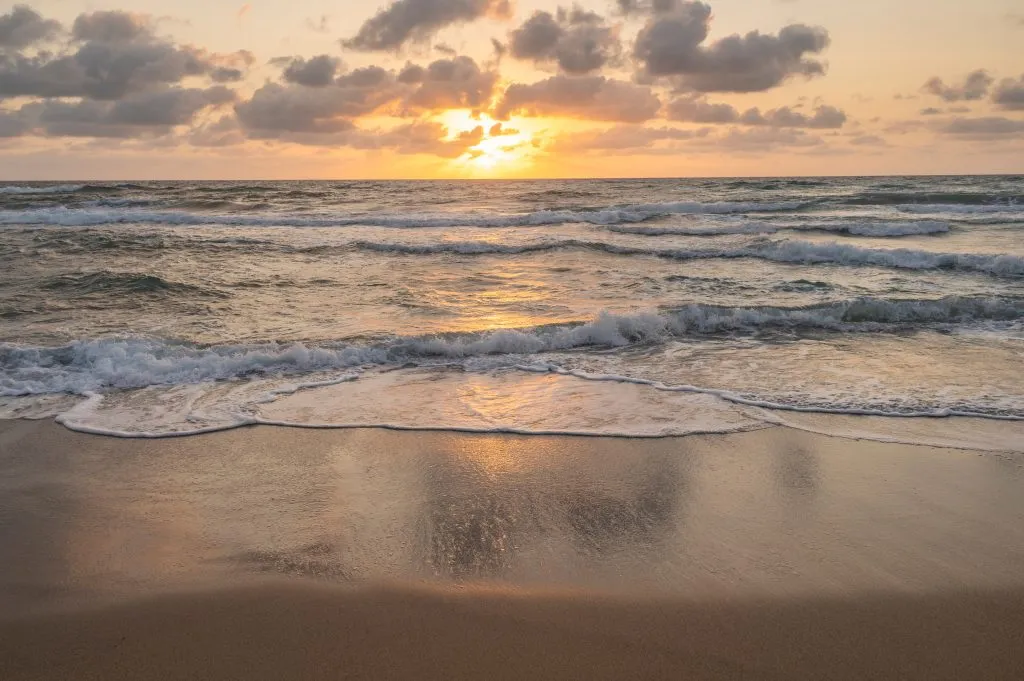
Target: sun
505, 147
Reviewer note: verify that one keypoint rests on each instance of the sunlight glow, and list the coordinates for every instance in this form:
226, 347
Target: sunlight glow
505, 147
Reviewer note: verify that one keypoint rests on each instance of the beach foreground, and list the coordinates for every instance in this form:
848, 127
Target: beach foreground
287, 553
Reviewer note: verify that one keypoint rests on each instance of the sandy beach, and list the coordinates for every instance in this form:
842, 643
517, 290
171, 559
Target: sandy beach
287, 553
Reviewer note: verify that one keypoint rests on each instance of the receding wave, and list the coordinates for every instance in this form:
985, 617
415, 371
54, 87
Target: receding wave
879, 229
782, 251
88, 366
72, 217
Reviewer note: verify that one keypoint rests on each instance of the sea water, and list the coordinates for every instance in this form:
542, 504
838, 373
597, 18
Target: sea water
592, 307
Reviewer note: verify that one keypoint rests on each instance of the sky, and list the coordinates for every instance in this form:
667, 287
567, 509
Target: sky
370, 89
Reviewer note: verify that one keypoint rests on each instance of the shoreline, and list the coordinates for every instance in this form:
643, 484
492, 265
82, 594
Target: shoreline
278, 552
847, 426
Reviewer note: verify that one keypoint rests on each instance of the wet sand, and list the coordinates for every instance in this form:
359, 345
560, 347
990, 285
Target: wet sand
283, 553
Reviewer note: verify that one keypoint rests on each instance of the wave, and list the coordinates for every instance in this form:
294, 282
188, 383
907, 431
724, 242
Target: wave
88, 366
932, 208
880, 229
78, 217
105, 281
782, 251
946, 198
48, 189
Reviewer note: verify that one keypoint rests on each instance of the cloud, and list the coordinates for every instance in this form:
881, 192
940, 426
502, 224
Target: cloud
975, 86
111, 27
223, 132
416, 20
825, 117
23, 26
282, 110
930, 111
767, 139
456, 83
671, 44
983, 127
321, 24
633, 7
576, 40
1009, 94
12, 124
317, 71
591, 97
142, 114
275, 108
698, 110
420, 137
113, 54
625, 139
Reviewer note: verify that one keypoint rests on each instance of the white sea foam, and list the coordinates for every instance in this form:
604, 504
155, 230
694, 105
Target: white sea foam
83, 217
784, 251
48, 189
526, 399
91, 366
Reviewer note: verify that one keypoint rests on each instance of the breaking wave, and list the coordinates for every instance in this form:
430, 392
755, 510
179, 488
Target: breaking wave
47, 189
83, 217
88, 366
783, 251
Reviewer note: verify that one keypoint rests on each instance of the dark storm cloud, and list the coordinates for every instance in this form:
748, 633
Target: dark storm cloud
576, 40
698, 110
975, 86
142, 114
23, 26
1009, 94
318, 71
412, 20
592, 97
671, 44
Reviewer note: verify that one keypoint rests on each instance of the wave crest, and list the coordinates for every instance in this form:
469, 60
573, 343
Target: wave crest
87, 366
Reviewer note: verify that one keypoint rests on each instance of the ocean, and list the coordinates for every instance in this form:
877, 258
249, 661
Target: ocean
591, 307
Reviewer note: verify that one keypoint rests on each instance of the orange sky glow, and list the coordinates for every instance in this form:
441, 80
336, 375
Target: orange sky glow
495, 89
